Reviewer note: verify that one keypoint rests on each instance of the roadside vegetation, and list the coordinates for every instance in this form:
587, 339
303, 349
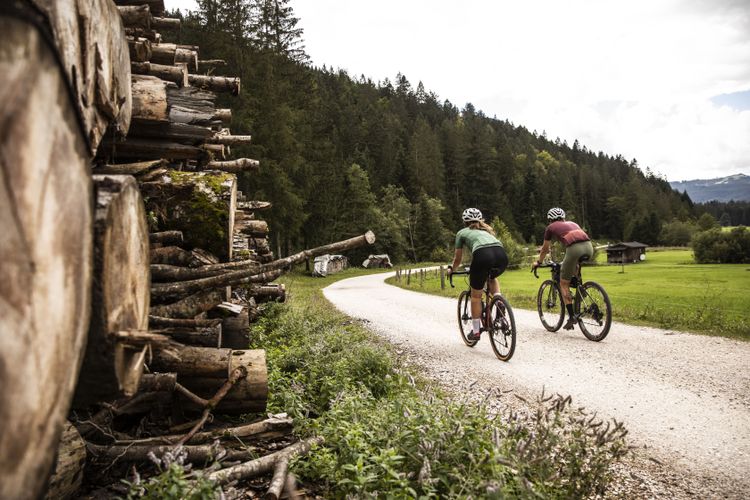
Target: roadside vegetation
667, 290
390, 434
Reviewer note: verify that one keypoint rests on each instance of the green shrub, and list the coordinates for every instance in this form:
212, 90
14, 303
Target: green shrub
174, 482
389, 436
716, 246
677, 233
515, 251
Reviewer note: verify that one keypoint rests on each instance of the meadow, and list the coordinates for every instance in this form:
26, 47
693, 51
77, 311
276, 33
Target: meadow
667, 290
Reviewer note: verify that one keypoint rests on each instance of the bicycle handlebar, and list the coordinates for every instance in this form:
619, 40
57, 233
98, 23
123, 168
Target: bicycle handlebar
453, 273
551, 264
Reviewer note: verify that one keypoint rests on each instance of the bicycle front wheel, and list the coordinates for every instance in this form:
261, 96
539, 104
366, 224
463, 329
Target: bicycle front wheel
464, 318
594, 311
502, 328
550, 306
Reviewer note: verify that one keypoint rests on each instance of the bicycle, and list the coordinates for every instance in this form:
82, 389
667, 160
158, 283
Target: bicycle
497, 319
590, 303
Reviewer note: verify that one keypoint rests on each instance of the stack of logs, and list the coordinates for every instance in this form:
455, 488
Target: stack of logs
181, 264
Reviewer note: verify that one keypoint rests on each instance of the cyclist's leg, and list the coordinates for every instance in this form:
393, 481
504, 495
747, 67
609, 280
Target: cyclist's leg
569, 269
480, 263
499, 264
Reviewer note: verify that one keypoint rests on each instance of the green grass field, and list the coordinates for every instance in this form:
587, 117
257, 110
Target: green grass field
668, 290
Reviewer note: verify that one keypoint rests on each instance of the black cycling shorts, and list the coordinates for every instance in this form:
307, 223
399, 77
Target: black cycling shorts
484, 260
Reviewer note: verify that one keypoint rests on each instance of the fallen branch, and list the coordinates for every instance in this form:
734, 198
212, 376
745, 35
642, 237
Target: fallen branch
262, 465
140, 453
279, 479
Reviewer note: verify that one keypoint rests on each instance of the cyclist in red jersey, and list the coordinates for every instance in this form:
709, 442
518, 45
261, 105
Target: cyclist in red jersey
577, 244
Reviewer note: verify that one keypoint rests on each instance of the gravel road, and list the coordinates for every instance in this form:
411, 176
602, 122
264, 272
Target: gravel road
684, 398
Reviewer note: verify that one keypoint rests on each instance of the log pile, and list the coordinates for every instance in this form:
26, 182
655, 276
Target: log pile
152, 292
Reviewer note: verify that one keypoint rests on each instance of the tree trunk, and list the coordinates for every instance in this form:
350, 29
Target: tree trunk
165, 23
234, 166
150, 99
216, 83
200, 204
172, 291
264, 293
194, 362
248, 395
191, 306
236, 331
136, 169
68, 474
254, 228
166, 237
176, 74
170, 54
174, 256
140, 49
138, 149
46, 249
155, 6
157, 382
194, 135
209, 336
157, 322
121, 291
135, 16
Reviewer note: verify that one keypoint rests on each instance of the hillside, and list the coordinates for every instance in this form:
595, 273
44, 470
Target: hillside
734, 187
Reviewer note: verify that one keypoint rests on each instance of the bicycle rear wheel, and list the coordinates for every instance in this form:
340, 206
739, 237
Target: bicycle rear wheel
502, 328
464, 318
549, 304
594, 311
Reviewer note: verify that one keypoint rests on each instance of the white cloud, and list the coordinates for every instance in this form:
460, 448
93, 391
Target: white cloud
632, 78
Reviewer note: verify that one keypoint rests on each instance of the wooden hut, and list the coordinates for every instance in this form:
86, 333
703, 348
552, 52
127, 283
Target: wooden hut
626, 252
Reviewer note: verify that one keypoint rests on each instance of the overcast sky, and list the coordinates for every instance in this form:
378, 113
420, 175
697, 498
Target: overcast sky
666, 83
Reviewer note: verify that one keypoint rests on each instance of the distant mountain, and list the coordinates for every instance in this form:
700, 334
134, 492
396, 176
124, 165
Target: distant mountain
735, 187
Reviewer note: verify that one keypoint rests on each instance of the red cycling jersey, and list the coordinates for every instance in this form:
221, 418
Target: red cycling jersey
566, 232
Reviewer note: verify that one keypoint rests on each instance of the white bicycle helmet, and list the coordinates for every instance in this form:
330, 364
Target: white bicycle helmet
471, 215
556, 213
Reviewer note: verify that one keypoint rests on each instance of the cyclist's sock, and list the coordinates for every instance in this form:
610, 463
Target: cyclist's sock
477, 324
569, 307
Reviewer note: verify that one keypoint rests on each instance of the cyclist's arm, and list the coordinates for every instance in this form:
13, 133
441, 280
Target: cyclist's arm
543, 252
457, 258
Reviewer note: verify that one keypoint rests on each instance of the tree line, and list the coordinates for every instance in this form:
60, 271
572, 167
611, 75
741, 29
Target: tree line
342, 153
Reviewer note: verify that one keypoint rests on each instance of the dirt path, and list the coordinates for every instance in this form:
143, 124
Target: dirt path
685, 398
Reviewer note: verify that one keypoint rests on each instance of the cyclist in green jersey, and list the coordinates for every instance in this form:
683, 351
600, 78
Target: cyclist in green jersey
488, 258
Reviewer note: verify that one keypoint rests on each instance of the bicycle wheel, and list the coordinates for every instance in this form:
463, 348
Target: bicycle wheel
594, 311
502, 328
464, 318
550, 306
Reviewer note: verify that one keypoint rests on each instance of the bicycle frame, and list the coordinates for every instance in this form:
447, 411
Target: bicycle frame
486, 298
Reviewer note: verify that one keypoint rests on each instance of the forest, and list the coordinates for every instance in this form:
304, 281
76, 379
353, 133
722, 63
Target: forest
342, 153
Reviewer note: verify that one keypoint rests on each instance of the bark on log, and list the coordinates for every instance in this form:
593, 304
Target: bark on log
182, 133
140, 149
165, 23
120, 298
155, 6
166, 237
254, 205
158, 382
224, 114
140, 49
173, 256
200, 204
254, 228
271, 428
208, 336
68, 474
216, 151
264, 293
176, 74
140, 453
236, 331
248, 395
150, 35
136, 169
234, 166
135, 16
171, 291
194, 362
46, 249
211, 63
262, 465
194, 106
191, 306
216, 83
225, 137
157, 322
278, 480
170, 54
